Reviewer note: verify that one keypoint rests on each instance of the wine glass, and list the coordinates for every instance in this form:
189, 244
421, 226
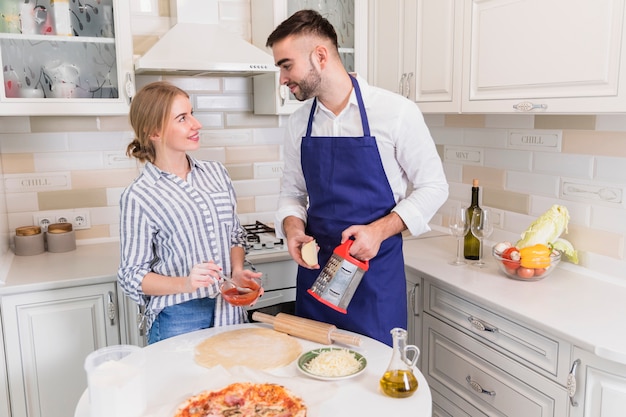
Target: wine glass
481, 228
459, 226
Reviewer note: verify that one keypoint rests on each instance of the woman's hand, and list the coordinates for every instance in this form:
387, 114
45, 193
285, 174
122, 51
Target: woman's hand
249, 279
203, 275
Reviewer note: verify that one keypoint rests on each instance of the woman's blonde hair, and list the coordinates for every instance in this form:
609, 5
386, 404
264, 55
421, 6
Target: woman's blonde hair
149, 113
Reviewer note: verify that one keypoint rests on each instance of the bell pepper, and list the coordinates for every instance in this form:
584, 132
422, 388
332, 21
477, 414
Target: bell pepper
536, 256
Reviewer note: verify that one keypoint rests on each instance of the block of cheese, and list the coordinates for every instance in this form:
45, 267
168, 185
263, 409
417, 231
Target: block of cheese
309, 253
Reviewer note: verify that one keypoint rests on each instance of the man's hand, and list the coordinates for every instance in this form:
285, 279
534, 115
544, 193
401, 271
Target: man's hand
368, 238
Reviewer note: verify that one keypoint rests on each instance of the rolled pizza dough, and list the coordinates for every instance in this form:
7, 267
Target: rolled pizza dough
253, 348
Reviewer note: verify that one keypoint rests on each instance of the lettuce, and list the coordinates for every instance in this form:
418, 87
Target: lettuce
547, 230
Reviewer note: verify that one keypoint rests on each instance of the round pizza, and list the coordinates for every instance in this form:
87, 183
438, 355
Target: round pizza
244, 399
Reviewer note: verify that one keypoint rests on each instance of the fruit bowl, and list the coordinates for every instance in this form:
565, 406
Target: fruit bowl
513, 269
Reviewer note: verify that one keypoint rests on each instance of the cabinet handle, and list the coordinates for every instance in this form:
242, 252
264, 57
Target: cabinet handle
528, 106
141, 320
415, 299
481, 325
283, 93
571, 383
406, 92
401, 84
478, 388
111, 309
130, 87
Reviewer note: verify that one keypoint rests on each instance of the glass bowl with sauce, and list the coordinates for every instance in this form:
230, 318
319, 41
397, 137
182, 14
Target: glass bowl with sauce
240, 296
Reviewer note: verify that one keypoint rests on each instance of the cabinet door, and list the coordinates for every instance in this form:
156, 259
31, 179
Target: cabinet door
348, 17
5, 411
72, 57
438, 54
544, 56
386, 51
416, 51
48, 336
414, 313
600, 386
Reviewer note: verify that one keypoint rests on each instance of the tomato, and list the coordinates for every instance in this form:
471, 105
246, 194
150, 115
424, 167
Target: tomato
507, 255
511, 271
525, 272
539, 271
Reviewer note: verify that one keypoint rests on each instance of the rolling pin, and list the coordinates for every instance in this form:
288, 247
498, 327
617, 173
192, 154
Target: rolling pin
308, 329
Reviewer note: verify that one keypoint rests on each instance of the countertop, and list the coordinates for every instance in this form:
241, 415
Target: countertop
570, 303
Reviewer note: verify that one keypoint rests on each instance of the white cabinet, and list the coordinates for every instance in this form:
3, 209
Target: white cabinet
502, 56
416, 50
600, 386
556, 56
132, 323
5, 410
72, 57
414, 310
348, 17
48, 335
488, 364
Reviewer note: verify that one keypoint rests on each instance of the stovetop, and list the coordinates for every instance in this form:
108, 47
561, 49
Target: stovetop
262, 238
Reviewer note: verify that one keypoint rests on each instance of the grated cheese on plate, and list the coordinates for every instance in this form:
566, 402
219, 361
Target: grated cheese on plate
333, 363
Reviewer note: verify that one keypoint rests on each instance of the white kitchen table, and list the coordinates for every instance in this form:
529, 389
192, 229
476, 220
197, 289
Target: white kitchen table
171, 375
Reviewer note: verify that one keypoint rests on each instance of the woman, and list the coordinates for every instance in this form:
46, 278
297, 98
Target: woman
178, 225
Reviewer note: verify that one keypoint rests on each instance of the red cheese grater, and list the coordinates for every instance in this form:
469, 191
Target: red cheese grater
339, 279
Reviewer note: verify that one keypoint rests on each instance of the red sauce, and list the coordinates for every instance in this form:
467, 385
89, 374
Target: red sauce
236, 298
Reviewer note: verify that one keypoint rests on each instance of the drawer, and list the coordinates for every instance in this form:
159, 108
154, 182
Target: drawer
548, 355
463, 369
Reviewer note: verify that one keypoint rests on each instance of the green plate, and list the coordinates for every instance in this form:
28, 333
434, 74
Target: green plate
308, 356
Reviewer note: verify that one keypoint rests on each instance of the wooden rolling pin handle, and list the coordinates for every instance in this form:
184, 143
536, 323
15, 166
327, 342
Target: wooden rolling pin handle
263, 318
346, 339
306, 328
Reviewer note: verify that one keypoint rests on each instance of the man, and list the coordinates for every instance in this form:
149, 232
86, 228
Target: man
350, 154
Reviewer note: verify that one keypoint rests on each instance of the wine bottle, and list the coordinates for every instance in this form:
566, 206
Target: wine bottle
471, 244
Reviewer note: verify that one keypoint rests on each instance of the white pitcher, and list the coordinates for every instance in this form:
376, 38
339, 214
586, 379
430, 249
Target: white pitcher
63, 79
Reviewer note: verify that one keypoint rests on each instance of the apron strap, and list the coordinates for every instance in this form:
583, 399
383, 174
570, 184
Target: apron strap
359, 99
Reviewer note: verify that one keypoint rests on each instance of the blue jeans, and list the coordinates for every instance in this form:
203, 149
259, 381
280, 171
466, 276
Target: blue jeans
182, 318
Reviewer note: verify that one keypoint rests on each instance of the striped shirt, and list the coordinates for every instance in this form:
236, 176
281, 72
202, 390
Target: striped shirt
168, 225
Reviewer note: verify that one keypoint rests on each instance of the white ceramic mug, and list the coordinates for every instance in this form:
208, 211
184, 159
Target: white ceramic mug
30, 92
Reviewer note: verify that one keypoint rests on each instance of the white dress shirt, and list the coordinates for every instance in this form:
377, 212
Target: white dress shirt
406, 149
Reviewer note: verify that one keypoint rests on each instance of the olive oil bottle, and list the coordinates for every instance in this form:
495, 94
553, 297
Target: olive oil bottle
471, 244
399, 381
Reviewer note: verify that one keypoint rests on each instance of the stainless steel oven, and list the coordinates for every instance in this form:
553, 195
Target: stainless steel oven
268, 254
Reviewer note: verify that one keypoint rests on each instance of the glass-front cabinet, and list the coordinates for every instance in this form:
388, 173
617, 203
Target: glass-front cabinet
65, 57
348, 17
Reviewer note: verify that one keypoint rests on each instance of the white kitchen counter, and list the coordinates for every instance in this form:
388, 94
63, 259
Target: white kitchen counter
577, 307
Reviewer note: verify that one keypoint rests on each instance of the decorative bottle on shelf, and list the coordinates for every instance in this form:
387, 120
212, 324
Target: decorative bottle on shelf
471, 245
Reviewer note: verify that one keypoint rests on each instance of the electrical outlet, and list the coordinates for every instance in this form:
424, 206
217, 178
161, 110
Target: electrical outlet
80, 219
63, 218
43, 221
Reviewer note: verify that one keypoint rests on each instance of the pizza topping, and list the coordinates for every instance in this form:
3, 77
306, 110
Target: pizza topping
334, 362
244, 399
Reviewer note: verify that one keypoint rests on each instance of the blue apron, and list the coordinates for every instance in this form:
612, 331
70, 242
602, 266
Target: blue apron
347, 185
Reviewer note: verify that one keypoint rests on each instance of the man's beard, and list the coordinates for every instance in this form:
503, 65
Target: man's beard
309, 85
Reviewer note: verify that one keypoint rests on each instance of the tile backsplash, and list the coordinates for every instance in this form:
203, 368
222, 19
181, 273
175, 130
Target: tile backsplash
522, 171
527, 163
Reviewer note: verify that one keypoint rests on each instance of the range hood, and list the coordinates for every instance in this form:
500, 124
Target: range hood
197, 46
